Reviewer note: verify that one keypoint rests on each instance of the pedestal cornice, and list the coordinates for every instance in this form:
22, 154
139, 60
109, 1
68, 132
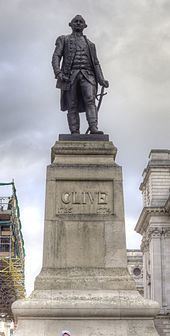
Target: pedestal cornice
83, 148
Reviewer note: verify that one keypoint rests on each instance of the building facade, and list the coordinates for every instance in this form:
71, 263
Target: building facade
154, 226
135, 267
12, 256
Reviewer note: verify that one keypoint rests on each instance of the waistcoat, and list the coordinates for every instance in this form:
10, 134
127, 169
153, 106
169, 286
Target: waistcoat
82, 57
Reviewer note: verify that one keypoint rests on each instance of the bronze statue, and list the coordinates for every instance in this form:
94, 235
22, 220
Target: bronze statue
79, 76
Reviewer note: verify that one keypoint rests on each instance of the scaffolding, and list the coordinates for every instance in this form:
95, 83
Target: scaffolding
12, 253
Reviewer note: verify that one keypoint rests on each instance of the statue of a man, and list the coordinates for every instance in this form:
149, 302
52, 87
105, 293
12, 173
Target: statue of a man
79, 75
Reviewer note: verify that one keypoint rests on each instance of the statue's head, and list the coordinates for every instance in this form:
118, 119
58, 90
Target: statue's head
78, 23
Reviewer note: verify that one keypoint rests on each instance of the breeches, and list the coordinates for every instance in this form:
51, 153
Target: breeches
88, 93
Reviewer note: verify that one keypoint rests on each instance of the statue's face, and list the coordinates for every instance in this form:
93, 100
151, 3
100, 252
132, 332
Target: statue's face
78, 24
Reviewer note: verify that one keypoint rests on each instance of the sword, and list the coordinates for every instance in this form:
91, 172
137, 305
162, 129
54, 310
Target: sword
100, 95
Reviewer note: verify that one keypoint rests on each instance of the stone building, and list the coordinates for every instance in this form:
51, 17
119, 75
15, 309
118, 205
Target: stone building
12, 256
135, 267
154, 226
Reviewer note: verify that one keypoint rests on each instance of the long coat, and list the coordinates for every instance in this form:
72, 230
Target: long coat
65, 49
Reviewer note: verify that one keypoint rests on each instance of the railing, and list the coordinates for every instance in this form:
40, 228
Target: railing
5, 203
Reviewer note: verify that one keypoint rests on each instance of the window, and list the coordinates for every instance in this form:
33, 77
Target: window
137, 271
4, 244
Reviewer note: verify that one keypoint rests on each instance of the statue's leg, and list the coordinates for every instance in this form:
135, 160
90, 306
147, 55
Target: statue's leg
89, 94
73, 122
73, 115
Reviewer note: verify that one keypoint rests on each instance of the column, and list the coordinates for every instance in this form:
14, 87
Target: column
156, 265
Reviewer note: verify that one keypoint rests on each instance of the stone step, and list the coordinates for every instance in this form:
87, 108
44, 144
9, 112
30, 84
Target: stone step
162, 325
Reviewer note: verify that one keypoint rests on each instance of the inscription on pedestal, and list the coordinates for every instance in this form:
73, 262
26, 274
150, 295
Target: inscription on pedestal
84, 197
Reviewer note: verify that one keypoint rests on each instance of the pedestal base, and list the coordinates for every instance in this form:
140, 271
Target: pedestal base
84, 285
86, 327
86, 313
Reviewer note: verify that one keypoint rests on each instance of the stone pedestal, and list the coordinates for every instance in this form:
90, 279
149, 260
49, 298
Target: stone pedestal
84, 285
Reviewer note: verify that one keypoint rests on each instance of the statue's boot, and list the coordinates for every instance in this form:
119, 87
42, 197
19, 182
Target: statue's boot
92, 121
94, 130
73, 122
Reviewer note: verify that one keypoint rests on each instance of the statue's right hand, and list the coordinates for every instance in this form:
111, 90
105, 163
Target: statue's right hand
60, 76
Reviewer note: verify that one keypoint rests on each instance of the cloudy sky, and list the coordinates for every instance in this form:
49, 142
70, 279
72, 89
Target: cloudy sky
133, 43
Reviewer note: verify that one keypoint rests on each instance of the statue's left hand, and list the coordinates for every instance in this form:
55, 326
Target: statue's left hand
104, 83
